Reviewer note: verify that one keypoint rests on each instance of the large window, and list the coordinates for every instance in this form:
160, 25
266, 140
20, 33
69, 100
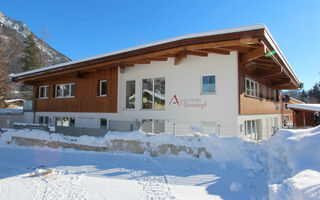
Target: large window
130, 94
66, 121
153, 93
208, 85
252, 129
252, 88
153, 125
65, 90
43, 92
103, 88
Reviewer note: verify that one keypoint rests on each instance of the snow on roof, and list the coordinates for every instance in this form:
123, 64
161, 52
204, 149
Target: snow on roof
13, 100
297, 100
311, 107
194, 35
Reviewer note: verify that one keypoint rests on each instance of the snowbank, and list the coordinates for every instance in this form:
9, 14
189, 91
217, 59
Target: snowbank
222, 150
290, 159
294, 163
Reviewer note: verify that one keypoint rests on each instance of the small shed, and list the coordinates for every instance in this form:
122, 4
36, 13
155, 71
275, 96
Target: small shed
304, 114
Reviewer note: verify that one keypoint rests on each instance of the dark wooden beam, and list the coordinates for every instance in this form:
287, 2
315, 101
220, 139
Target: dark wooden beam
216, 50
197, 53
280, 83
180, 57
250, 66
159, 59
241, 49
272, 72
253, 55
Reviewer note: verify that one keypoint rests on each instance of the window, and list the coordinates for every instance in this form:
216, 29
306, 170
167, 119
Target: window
103, 88
58, 121
66, 121
103, 123
153, 125
43, 120
72, 121
43, 92
130, 94
208, 85
252, 129
153, 93
252, 88
65, 90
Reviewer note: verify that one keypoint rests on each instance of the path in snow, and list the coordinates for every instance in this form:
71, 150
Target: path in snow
92, 175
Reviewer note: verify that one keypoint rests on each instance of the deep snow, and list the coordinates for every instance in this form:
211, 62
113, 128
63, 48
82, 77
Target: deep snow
285, 167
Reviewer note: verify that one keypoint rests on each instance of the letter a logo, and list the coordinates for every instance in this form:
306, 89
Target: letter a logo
174, 100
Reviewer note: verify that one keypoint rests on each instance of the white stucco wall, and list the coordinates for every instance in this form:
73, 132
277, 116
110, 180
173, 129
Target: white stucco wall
184, 81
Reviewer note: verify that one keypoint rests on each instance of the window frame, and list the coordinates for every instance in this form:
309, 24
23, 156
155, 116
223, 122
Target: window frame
215, 85
255, 90
153, 96
62, 90
253, 126
106, 126
135, 93
100, 88
46, 91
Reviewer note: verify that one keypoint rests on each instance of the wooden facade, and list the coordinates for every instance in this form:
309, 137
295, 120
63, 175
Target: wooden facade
86, 93
303, 118
264, 104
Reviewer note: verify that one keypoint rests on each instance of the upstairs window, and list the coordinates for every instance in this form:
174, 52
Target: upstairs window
208, 85
153, 93
44, 92
65, 90
103, 88
252, 88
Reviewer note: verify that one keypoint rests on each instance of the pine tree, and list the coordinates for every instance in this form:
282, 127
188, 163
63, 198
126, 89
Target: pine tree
304, 95
314, 93
31, 59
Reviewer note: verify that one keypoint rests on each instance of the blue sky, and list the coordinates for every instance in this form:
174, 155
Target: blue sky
85, 28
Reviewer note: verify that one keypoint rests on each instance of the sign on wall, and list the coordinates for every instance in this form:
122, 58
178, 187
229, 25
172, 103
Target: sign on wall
188, 103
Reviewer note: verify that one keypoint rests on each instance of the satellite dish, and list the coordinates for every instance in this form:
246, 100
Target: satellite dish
286, 98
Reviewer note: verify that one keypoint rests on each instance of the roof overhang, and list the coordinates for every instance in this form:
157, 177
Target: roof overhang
309, 107
255, 44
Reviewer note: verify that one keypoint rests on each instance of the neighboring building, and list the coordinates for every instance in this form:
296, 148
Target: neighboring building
305, 115
225, 81
288, 114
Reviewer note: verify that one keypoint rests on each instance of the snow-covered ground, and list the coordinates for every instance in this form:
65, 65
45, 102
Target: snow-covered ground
285, 167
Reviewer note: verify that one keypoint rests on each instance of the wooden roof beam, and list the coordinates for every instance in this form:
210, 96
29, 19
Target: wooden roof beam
197, 53
280, 83
271, 73
159, 59
216, 50
253, 55
180, 57
241, 49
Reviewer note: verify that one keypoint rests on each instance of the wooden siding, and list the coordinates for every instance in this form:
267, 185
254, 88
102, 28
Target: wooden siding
86, 95
251, 105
